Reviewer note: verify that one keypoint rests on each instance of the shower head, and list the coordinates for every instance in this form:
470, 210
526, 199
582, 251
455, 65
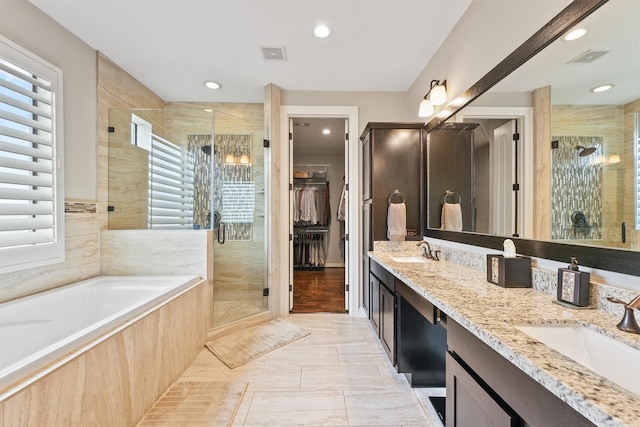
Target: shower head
586, 151
206, 149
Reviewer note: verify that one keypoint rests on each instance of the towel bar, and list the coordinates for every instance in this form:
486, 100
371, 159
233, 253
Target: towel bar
452, 194
398, 194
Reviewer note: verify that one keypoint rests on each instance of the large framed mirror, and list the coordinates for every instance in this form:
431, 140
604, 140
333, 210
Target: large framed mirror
572, 180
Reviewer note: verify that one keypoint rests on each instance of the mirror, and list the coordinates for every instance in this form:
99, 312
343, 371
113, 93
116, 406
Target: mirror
583, 196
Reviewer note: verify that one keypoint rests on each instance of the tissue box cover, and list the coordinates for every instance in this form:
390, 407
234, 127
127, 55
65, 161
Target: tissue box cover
509, 272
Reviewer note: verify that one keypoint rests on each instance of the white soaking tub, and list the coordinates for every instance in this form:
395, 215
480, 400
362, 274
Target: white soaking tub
42, 328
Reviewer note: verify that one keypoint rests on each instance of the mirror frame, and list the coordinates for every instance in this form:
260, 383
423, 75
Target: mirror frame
611, 259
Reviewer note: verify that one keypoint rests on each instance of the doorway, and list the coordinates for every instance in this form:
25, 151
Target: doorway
319, 160
340, 166
495, 144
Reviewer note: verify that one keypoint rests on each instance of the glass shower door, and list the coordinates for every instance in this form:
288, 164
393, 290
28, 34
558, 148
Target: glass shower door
238, 218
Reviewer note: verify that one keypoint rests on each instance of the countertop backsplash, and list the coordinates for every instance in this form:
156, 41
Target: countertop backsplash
542, 280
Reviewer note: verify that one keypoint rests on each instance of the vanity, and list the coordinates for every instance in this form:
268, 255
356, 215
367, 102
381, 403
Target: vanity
496, 374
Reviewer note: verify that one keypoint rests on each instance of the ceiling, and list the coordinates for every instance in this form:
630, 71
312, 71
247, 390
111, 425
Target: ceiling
615, 29
309, 139
173, 46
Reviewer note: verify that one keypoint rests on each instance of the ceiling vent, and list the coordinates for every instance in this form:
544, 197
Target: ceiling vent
274, 53
588, 56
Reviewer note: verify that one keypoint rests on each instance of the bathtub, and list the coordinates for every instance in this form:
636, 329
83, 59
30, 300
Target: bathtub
40, 329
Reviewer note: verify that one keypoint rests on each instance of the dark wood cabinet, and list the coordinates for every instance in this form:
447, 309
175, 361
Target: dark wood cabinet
514, 392
421, 339
394, 158
374, 313
388, 322
470, 404
383, 307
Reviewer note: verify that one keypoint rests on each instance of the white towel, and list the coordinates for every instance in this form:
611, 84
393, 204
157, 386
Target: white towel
397, 222
451, 218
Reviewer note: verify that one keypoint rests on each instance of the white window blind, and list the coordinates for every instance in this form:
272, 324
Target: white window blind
31, 197
170, 185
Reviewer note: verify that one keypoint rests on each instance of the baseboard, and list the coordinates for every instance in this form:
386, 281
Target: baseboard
334, 264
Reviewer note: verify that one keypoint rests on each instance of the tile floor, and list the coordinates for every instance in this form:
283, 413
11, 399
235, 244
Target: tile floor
338, 375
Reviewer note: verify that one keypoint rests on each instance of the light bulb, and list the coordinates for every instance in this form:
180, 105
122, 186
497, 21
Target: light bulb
438, 95
425, 109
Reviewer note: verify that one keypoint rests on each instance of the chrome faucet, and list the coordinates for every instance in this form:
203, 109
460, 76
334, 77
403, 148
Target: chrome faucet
427, 252
628, 322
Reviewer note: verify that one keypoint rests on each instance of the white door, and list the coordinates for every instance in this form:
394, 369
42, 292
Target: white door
346, 216
291, 204
502, 196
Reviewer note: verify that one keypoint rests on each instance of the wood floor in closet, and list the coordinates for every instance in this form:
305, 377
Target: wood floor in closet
318, 291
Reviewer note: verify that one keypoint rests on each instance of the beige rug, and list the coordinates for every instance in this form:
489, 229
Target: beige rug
195, 404
243, 346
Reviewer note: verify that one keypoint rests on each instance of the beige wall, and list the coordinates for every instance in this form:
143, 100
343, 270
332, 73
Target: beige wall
487, 32
25, 25
77, 60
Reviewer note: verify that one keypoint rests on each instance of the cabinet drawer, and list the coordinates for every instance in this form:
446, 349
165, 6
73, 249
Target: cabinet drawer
470, 403
424, 307
383, 274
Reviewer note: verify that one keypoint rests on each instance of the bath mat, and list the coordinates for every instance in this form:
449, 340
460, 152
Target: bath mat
243, 346
196, 403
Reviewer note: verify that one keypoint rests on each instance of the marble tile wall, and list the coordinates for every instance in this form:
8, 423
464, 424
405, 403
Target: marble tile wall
118, 380
607, 122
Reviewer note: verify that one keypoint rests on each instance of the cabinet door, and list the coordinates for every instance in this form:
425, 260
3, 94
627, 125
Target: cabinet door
374, 291
387, 322
469, 404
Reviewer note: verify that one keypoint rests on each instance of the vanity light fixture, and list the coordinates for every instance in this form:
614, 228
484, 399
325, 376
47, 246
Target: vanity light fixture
322, 31
575, 34
230, 159
436, 95
211, 84
244, 159
602, 88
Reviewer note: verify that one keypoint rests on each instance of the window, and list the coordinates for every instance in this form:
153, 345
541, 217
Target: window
170, 185
31, 177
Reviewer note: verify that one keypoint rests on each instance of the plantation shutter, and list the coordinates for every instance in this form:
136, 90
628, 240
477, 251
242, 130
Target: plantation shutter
31, 204
170, 185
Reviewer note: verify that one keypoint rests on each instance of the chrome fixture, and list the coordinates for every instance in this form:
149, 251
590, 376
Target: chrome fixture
427, 252
628, 322
436, 95
586, 151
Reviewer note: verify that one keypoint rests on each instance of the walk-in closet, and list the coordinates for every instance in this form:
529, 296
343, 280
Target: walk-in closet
318, 215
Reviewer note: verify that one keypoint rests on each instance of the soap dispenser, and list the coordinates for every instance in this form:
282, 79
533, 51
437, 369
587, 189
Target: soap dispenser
573, 285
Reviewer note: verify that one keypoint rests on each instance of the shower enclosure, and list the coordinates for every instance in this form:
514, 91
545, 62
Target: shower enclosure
197, 169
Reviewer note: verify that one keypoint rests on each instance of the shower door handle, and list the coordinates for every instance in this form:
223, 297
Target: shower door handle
222, 232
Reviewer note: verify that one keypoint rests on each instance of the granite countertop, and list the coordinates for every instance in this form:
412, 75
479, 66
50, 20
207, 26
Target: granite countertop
490, 312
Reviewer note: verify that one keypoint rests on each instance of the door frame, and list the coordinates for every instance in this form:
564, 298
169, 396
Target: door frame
353, 205
525, 115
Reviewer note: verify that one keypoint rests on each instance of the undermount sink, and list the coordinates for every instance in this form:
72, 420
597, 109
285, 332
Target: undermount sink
408, 259
604, 355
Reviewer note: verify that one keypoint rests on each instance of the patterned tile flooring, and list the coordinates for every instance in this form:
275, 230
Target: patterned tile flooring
338, 375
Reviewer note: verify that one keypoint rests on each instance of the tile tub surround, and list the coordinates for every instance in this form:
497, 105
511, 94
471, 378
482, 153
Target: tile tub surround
489, 312
116, 378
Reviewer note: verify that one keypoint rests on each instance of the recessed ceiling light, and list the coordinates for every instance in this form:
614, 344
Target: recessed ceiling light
602, 88
326, 131
212, 85
322, 31
575, 34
